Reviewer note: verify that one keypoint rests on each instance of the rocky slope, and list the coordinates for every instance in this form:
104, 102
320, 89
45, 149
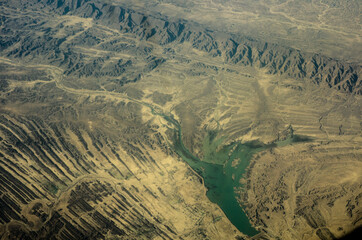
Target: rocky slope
166, 32
85, 155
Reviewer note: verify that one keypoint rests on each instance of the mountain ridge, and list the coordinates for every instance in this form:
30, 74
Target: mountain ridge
234, 49
338, 74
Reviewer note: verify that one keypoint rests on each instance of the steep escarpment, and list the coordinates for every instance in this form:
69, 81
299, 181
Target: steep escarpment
160, 30
235, 49
295, 64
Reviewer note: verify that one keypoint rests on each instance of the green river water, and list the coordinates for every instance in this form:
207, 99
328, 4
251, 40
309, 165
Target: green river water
221, 176
222, 179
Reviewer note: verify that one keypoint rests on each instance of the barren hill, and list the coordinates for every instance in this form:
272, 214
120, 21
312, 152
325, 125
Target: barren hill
93, 94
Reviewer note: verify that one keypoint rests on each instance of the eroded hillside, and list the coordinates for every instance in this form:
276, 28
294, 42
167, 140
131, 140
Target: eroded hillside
86, 153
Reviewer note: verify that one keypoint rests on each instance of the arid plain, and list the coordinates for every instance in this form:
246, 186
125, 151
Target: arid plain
93, 94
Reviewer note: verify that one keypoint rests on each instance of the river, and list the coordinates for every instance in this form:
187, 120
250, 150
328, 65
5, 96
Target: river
222, 168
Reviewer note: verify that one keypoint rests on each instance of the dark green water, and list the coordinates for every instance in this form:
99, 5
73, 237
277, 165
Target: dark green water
221, 176
220, 180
